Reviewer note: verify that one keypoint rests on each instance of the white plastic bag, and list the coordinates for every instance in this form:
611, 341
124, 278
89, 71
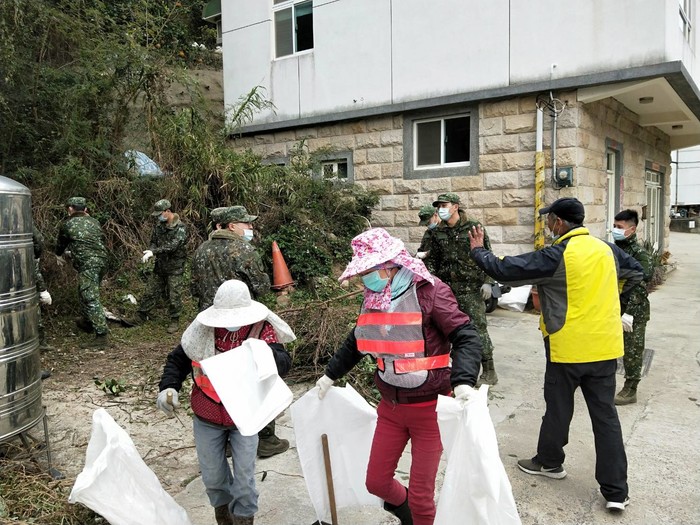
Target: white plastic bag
118, 485
349, 422
476, 489
516, 299
248, 385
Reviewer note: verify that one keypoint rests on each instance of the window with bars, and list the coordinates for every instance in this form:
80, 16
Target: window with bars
294, 26
685, 14
335, 170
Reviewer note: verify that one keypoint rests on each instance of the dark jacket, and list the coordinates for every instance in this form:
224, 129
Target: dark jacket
578, 279
443, 325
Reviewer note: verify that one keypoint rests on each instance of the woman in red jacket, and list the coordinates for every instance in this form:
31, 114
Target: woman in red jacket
411, 325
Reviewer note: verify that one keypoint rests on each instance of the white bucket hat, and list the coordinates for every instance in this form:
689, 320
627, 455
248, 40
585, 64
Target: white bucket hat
233, 307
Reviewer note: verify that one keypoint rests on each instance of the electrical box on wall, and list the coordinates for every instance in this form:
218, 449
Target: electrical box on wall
564, 177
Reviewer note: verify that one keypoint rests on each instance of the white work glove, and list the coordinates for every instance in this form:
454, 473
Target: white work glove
627, 322
486, 291
464, 392
324, 384
167, 401
421, 255
147, 254
45, 297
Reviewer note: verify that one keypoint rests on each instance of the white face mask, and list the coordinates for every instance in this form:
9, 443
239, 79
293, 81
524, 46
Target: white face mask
248, 235
444, 213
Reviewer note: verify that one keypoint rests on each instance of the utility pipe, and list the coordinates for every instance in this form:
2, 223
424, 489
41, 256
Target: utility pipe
539, 181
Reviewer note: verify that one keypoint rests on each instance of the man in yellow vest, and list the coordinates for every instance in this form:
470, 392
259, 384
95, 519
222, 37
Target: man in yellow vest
577, 278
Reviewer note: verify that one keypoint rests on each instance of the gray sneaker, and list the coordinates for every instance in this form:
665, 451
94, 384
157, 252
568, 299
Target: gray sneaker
617, 506
534, 467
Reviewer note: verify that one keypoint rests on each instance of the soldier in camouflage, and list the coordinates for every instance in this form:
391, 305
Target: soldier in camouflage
168, 247
228, 254
449, 258
42, 290
625, 236
81, 236
427, 216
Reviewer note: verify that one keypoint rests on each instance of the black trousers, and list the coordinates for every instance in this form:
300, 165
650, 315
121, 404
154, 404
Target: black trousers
597, 382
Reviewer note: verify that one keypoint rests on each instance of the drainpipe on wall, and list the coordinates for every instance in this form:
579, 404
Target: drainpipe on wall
539, 180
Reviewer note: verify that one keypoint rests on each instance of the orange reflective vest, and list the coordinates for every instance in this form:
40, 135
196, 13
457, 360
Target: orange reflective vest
201, 379
395, 339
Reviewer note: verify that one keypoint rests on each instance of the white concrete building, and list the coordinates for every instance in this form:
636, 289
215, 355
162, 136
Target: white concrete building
414, 98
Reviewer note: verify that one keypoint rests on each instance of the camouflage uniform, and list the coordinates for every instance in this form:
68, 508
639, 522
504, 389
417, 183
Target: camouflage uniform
168, 246
226, 255
38, 241
82, 236
638, 307
450, 260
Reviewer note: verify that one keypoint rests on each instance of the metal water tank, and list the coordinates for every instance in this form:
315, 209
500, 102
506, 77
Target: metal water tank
20, 363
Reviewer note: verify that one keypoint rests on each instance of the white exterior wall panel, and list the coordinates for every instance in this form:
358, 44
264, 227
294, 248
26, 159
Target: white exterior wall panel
355, 71
448, 47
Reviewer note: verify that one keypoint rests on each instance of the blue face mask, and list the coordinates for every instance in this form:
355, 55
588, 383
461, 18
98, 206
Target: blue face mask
432, 225
618, 234
444, 213
248, 235
162, 219
373, 282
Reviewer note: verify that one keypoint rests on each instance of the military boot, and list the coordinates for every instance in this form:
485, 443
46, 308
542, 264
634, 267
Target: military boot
137, 319
243, 520
268, 443
403, 512
628, 394
100, 341
222, 515
488, 374
83, 324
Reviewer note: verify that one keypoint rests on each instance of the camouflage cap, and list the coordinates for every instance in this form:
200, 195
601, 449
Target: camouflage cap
424, 215
160, 206
446, 197
236, 214
77, 201
216, 214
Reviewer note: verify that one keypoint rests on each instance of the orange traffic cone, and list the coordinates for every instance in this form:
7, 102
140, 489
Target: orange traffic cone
281, 278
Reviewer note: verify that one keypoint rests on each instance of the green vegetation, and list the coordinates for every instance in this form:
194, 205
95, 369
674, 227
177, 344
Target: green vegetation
82, 82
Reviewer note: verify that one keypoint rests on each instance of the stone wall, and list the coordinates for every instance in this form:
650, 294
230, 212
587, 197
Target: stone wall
502, 194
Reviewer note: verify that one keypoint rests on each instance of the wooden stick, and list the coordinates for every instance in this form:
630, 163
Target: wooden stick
329, 478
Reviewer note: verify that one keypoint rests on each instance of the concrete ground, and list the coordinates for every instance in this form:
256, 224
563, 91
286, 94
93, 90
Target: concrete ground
661, 431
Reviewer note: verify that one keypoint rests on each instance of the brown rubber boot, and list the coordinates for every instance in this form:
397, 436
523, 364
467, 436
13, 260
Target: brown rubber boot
628, 394
488, 374
100, 341
243, 520
222, 515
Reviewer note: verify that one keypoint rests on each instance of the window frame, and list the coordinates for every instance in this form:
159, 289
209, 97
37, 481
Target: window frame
686, 13
452, 169
281, 6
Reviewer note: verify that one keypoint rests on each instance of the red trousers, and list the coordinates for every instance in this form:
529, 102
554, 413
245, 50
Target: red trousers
396, 424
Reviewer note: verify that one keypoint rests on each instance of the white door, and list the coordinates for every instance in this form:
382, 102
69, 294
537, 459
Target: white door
613, 192
655, 218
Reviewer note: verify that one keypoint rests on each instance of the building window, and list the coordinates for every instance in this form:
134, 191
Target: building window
335, 170
685, 21
440, 143
294, 26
